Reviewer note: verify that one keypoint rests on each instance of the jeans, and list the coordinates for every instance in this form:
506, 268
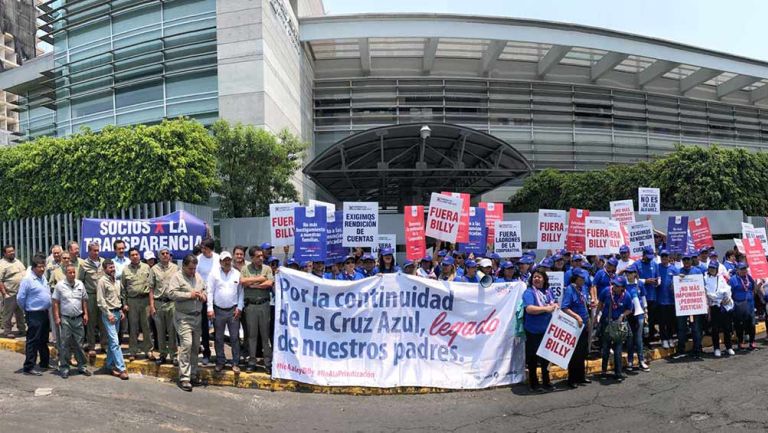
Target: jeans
682, 333
607, 345
635, 341
114, 353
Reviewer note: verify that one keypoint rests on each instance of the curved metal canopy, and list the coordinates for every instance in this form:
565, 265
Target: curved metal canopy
395, 166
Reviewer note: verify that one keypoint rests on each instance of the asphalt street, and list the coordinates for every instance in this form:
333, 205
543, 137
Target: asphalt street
709, 395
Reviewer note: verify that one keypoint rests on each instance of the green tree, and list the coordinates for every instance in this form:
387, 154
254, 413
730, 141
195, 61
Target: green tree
255, 167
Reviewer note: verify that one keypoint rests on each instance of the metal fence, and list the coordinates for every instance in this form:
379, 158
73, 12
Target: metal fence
39, 234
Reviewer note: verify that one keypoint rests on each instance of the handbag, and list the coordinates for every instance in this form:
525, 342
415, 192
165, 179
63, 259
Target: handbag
618, 331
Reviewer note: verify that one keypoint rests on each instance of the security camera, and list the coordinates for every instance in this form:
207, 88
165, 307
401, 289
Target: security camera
425, 132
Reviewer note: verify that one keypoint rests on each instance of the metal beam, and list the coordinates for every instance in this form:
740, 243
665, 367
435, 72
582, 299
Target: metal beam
606, 64
365, 56
654, 71
491, 55
551, 59
735, 84
701, 76
430, 50
758, 94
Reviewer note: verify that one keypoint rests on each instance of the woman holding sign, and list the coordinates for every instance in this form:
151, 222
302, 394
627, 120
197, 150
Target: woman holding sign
743, 293
538, 304
616, 305
636, 324
575, 304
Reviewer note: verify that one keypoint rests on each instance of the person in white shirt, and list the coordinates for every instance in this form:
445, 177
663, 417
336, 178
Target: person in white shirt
624, 260
720, 307
207, 263
224, 308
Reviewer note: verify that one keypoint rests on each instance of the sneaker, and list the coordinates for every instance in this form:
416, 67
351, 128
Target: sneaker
644, 366
32, 372
717, 353
618, 378
731, 352
665, 344
85, 372
186, 386
629, 367
64, 374
679, 356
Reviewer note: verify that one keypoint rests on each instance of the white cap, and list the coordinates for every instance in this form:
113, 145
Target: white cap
225, 255
149, 255
484, 262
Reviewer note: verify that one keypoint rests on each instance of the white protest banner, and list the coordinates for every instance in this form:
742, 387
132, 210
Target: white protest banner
623, 211
748, 231
739, 245
552, 229
603, 236
648, 201
760, 234
508, 239
690, 297
443, 217
396, 330
361, 223
330, 208
384, 241
560, 340
640, 237
281, 223
557, 284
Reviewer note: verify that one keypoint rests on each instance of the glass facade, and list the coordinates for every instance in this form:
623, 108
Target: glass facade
125, 62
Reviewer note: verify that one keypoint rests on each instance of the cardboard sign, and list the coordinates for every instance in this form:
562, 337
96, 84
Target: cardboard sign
760, 234
701, 234
509, 240
333, 236
557, 284
281, 223
648, 201
385, 241
739, 245
575, 240
493, 212
361, 223
311, 233
753, 250
640, 236
330, 208
444, 216
560, 340
415, 242
463, 235
478, 233
603, 236
623, 211
677, 234
748, 231
551, 232
690, 297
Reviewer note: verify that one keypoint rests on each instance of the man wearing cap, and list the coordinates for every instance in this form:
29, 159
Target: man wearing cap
224, 308
161, 307
149, 258
624, 260
292, 264
665, 299
485, 267
257, 281
273, 262
720, 308
506, 273
697, 322
470, 274
425, 268
648, 276
409, 267
267, 248
369, 268
743, 288
135, 285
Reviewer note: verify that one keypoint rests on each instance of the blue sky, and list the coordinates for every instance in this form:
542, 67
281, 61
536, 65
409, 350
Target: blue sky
735, 26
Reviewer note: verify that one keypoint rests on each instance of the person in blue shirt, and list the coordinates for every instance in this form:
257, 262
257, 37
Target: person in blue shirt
636, 320
577, 262
566, 255
616, 305
506, 273
538, 304
369, 268
348, 272
460, 263
448, 270
292, 264
665, 299
34, 298
495, 264
729, 260
545, 264
558, 263
743, 288
409, 267
683, 324
470, 274
387, 264
603, 277
648, 275
524, 268
576, 304
318, 269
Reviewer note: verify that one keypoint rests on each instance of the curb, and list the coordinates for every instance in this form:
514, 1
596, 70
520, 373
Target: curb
264, 382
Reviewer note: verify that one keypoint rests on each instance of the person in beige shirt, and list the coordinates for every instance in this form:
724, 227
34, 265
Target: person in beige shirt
12, 271
188, 291
161, 307
135, 282
111, 305
90, 272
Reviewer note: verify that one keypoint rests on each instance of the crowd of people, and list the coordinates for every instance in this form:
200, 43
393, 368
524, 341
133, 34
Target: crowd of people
623, 304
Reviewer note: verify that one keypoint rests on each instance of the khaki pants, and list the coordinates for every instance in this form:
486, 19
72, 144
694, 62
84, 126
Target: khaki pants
188, 328
257, 323
95, 325
166, 328
71, 337
138, 317
10, 309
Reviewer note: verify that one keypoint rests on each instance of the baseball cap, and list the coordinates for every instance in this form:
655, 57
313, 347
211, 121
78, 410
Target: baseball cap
531, 253
495, 256
619, 281
483, 263
368, 257
557, 257
565, 252
225, 255
713, 264
507, 265
631, 268
613, 261
149, 255
266, 246
272, 259
713, 254
386, 251
290, 261
427, 258
742, 265
447, 261
704, 250
470, 264
577, 257
663, 253
442, 253
408, 263
687, 255
526, 260
306, 263
580, 272
547, 263
649, 254
350, 257
623, 249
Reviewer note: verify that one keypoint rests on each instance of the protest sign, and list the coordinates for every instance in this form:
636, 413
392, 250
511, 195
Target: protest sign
384, 241
281, 223
560, 340
747, 231
478, 233
333, 236
690, 298
575, 240
415, 242
311, 233
677, 234
603, 236
396, 330
640, 237
648, 201
755, 254
739, 245
463, 235
509, 239
701, 233
557, 284
330, 208
179, 232
551, 234
443, 218
760, 234
361, 223
623, 211
493, 212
